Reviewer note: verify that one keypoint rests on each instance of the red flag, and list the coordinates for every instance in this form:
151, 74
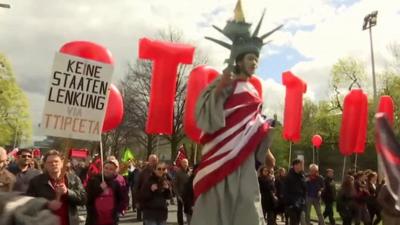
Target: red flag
388, 149
180, 156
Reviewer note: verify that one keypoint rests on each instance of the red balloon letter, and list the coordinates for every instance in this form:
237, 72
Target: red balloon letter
115, 110
386, 106
295, 88
199, 78
166, 58
353, 131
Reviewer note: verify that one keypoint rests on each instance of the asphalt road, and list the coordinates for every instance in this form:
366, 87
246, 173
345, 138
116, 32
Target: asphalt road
130, 217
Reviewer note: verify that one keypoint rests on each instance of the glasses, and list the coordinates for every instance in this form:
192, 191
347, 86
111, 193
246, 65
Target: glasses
161, 169
26, 156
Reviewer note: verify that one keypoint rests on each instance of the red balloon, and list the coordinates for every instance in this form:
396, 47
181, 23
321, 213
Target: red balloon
316, 141
115, 110
295, 88
199, 78
256, 82
353, 130
166, 58
88, 50
386, 106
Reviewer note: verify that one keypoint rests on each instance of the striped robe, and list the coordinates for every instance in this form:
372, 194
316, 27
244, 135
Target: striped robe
234, 137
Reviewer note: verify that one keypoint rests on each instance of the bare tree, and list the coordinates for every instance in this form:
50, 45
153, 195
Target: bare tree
173, 35
346, 73
136, 88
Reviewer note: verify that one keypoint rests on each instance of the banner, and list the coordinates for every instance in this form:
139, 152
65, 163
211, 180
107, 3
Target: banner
77, 97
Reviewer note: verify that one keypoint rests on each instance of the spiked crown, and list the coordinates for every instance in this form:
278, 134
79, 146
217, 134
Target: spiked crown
238, 31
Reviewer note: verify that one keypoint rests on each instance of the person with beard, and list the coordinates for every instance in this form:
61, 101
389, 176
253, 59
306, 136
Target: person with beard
107, 199
24, 173
64, 192
154, 194
7, 179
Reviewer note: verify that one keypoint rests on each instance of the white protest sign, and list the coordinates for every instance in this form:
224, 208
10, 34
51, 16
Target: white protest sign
77, 98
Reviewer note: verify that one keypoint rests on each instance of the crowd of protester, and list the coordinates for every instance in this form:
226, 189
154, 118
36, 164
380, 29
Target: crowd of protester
360, 198
60, 187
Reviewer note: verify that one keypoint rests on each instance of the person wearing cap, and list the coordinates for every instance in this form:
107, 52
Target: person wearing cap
236, 136
107, 199
24, 172
7, 179
64, 191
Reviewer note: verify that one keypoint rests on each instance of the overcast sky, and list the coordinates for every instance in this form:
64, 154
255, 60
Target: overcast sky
316, 34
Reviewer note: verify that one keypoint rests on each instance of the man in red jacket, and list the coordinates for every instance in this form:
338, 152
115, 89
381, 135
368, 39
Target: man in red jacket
64, 192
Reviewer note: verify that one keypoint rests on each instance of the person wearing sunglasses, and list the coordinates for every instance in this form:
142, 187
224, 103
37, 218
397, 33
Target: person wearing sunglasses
24, 172
155, 193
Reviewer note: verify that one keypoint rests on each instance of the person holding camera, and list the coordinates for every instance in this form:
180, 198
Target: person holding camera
154, 194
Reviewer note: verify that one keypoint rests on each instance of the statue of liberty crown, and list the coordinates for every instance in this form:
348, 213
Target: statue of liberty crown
238, 31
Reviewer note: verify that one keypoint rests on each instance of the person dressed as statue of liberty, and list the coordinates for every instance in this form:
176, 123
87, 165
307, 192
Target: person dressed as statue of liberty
235, 134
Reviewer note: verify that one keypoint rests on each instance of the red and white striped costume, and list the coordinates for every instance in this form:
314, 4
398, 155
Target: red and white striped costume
226, 149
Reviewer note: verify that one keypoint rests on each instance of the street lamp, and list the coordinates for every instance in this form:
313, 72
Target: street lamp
369, 22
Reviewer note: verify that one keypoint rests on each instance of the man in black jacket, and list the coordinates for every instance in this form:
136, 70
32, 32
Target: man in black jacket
294, 192
329, 195
144, 175
64, 193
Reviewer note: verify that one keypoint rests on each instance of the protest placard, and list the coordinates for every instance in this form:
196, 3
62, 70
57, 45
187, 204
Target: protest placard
77, 97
